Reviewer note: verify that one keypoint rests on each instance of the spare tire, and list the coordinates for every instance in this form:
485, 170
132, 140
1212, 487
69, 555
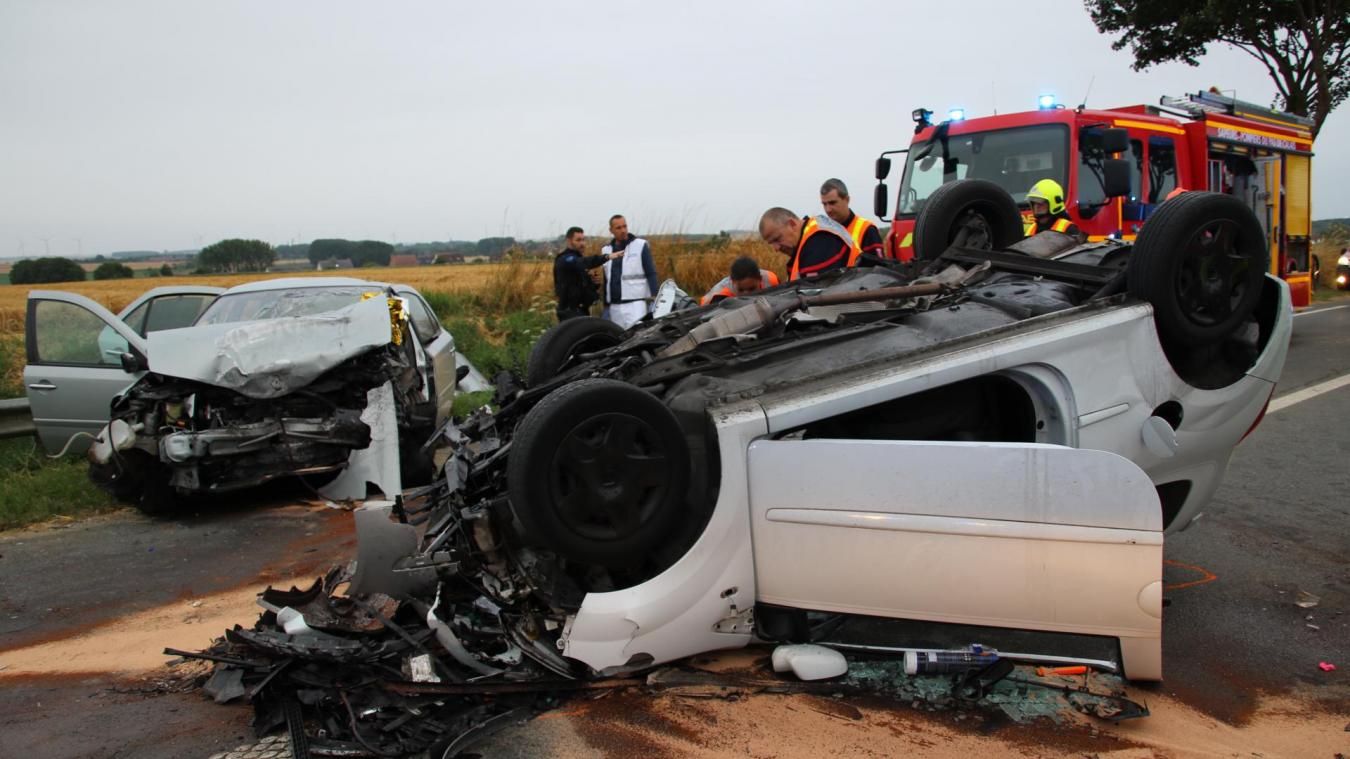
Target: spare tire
582, 334
971, 213
1200, 260
599, 473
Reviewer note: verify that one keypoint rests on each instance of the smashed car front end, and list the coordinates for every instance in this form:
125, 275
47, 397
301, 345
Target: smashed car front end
230, 406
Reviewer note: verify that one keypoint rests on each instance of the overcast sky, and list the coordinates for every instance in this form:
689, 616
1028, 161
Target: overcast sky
169, 125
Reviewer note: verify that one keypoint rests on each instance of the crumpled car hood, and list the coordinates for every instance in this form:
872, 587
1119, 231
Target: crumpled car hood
267, 359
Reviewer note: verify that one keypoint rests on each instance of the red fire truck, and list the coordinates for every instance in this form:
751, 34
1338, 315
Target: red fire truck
1117, 165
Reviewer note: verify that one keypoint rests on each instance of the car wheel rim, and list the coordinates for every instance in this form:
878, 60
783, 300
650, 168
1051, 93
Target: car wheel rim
972, 230
609, 477
1212, 278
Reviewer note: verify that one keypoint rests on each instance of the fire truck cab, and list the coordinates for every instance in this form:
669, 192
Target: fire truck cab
1117, 165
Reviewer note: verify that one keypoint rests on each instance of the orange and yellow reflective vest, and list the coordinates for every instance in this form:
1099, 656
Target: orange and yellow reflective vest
821, 225
1061, 225
858, 228
723, 289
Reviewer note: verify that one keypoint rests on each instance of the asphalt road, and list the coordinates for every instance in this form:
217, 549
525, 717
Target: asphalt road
1280, 524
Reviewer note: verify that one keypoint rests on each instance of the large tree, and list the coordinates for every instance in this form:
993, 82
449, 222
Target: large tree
42, 270
235, 255
1303, 44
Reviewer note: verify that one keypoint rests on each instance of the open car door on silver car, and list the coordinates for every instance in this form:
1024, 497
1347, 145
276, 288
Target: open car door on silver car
74, 369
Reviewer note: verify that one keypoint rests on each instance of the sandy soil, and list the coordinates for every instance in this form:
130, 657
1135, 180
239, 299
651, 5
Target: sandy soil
638, 724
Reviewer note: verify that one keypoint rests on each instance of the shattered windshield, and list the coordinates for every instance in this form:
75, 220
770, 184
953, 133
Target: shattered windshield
276, 304
1014, 159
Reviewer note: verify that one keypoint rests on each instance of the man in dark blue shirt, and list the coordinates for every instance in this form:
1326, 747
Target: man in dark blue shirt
573, 287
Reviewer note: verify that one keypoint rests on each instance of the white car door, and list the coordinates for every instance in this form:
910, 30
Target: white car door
439, 346
72, 374
1025, 536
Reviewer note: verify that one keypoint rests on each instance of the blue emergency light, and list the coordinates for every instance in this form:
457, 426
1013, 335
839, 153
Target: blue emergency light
1046, 102
956, 114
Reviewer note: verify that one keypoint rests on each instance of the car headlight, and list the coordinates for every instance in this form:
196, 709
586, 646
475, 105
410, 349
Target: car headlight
1344, 260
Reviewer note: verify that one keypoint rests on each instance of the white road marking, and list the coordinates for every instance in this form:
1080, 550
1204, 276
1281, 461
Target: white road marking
1285, 401
1320, 310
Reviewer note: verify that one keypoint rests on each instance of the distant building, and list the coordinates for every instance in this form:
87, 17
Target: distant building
334, 263
403, 259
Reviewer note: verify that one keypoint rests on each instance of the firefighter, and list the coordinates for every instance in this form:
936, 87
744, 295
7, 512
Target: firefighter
834, 199
1046, 198
813, 244
746, 278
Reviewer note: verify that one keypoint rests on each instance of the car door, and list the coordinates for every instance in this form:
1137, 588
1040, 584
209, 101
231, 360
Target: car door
439, 345
160, 308
72, 374
1020, 535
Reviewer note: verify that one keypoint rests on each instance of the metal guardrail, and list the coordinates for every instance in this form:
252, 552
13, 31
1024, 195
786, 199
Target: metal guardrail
16, 418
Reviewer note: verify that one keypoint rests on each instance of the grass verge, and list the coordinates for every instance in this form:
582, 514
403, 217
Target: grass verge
34, 488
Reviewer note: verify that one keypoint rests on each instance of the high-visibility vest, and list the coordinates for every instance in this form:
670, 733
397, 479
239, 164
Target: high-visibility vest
858, 228
821, 225
1061, 225
723, 288
633, 285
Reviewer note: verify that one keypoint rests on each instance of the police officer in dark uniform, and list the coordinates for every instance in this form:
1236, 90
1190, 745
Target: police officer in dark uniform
572, 285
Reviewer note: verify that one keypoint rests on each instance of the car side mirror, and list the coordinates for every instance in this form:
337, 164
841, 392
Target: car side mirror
133, 363
461, 372
1115, 140
1116, 177
883, 169
880, 200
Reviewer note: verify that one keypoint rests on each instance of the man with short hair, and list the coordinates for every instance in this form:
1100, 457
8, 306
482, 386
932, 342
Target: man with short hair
834, 198
571, 283
630, 284
746, 278
813, 244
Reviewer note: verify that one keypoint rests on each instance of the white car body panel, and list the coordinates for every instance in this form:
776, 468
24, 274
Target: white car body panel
1023, 536
1040, 555
712, 586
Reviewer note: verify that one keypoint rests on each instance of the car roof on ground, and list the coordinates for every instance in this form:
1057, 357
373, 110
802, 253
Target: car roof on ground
296, 283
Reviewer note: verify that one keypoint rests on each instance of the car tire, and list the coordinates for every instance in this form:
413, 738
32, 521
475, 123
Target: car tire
582, 334
599, 473
971, 213
1200, 260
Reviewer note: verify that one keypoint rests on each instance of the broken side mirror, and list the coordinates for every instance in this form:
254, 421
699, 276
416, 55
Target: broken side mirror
1116, 177
880, 200
133, 362
1115, 140
883, 169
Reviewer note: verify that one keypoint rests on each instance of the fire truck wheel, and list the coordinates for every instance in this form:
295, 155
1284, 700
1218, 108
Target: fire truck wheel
599, 472
578, 335
971, 213
1200, 261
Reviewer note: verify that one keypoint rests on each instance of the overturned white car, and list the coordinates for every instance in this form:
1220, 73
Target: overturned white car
1002, 441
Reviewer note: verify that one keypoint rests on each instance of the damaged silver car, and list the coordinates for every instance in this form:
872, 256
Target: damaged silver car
339, 380
1015, 425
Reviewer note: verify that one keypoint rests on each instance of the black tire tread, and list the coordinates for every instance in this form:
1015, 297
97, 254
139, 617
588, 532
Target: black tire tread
552, 349
932, 229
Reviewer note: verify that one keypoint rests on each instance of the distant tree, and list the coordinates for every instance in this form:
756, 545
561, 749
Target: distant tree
362, 253
165, 270
41, 270
235, 255
495, 247
113, 270
1303, 44
99, 258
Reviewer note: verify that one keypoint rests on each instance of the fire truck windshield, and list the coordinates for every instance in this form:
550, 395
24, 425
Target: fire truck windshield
1015, 159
